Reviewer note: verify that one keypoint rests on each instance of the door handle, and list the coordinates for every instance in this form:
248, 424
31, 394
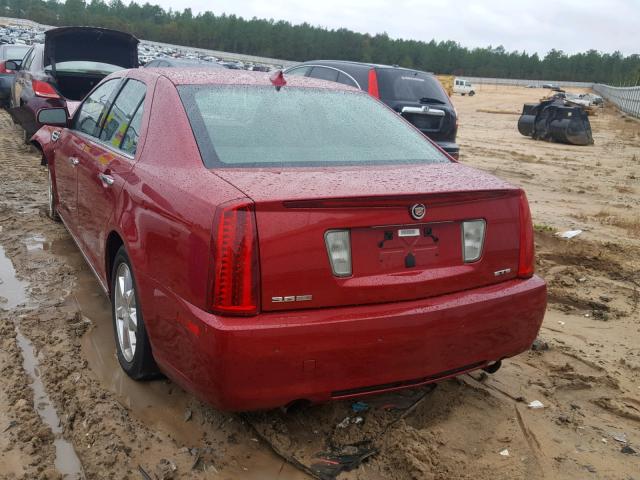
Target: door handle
107, 180
74, 161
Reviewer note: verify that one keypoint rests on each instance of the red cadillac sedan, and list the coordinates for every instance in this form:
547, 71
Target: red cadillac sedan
267, 240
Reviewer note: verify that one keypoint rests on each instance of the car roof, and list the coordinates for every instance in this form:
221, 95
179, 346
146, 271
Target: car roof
359, 64
214, 76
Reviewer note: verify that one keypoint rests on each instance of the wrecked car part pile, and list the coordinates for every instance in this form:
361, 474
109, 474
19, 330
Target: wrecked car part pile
554, 120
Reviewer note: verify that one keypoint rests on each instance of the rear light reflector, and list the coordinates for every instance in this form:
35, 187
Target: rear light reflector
338, 244
235, 281
3, 68
43, 89
472, 239
526, 265
373, 84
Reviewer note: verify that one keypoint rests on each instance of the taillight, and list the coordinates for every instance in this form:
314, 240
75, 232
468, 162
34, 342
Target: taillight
43, 89
3, 68
235, 289
373, 83
526, 263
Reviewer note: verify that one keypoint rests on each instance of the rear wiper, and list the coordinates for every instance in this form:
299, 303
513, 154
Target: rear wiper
431, 100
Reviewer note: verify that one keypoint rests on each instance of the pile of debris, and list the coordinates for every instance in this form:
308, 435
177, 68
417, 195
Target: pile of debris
563, 117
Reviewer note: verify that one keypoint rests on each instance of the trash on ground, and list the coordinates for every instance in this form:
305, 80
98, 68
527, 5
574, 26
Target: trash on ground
620, 437
539, 345
628, 450
569, 233
328, 465
359, 407
505, 453
536, 404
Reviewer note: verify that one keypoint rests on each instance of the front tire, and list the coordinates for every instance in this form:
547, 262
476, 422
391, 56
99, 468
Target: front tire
132, 343
472, 93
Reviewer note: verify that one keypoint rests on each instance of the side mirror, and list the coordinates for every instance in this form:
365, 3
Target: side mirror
12, 65
56, 117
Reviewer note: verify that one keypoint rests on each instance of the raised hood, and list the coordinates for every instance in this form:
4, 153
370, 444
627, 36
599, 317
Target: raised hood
90, 44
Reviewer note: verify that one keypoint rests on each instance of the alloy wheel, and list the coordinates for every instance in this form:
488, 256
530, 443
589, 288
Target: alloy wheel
126, 312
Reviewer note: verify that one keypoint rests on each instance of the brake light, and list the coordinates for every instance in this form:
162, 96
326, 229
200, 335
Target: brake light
43, 89
235, 288
3, 68
373, 83
526, 263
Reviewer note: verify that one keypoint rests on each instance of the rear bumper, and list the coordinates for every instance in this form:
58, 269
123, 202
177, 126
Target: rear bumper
318, 355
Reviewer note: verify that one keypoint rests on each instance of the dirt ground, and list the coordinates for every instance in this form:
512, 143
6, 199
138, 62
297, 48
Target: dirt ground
67, 410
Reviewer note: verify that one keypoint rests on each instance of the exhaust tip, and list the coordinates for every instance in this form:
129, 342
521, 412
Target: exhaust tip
494, 367
296, 406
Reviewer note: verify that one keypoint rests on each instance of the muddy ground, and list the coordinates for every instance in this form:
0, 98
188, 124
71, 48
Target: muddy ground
67, 411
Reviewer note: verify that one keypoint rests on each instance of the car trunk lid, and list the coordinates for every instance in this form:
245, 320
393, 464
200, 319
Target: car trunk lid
90, 44
394, 256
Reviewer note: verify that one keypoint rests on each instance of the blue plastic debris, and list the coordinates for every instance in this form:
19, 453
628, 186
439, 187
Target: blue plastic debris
359, 407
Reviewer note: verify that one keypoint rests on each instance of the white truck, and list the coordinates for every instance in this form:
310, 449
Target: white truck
463, 87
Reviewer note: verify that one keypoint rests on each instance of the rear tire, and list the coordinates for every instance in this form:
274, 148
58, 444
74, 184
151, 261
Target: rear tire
472, 93
52, 198
132, 343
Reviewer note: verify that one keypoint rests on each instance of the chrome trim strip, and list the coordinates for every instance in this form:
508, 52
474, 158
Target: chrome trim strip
424, 110
93, 139
324, 66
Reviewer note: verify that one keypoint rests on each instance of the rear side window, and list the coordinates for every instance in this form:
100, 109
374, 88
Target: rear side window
344, 78
121, 112
90, 113
15, 53
299, 71
252, 126
132, 134
409, 85
324, 73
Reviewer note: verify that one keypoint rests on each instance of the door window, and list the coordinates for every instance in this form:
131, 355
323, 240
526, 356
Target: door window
89, 117
121, 112
28, 58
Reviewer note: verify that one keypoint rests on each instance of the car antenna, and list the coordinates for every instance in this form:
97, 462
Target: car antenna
278, 80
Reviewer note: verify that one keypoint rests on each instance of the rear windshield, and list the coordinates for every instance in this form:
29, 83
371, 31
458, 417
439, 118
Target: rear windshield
84, 67
15, 53
410, 86
245, 126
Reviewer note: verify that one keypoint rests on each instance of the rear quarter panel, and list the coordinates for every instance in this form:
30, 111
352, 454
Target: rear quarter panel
166, 215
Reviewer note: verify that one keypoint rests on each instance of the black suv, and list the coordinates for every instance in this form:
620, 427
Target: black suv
417, 96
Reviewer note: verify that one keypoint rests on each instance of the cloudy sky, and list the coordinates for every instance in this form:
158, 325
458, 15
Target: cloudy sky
569, 25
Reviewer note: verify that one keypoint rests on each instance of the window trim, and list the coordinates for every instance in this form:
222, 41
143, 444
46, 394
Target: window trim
106, 106
125, 81
313, 65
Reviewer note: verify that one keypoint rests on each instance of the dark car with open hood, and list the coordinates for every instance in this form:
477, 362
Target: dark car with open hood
67, 66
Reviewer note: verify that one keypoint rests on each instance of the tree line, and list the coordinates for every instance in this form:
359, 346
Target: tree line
281, 39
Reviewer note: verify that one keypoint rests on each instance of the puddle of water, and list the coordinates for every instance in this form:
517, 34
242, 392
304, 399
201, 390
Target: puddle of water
160, 404
14, 291
67, 462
